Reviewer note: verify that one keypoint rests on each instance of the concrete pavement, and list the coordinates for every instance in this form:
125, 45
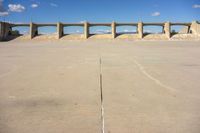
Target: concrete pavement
148, 87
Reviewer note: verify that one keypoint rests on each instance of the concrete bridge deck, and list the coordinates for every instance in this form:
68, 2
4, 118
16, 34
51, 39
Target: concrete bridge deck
54, 87
97, 24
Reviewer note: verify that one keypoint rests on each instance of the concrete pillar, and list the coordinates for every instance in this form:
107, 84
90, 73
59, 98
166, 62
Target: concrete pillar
163, 29
5, 29
33, 30
113, 25
195, 28
86, 30
140, 29
2, 31
188, 29
59, 30
167, 29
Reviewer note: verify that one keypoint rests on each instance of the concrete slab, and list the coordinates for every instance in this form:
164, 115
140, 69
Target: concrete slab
49, 89
151, 88
53, 86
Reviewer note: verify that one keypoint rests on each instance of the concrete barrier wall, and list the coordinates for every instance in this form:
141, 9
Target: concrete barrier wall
195, 28
5, 28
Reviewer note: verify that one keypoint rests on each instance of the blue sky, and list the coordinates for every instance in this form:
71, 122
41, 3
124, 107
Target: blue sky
99, 10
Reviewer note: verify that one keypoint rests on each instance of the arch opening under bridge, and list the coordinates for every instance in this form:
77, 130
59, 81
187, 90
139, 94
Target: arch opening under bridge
153, 29
180, 29
99, 30
68, 30
46, 30
20, 30
126, 29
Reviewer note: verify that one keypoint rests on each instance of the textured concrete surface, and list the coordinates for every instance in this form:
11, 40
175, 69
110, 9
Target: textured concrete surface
109, 37
148, 86
49, 89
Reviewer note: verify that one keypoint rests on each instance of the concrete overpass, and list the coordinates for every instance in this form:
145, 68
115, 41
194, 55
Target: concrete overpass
6, 28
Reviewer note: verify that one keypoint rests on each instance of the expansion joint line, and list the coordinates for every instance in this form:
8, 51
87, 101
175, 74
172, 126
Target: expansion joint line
101, 91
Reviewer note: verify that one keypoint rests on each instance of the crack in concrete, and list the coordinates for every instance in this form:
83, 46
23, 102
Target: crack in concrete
156, 81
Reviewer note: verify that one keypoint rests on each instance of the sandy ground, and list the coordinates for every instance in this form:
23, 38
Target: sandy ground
56, 86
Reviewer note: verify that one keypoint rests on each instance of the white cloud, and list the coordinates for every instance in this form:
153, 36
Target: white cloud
16, 8
4, 13
77, 31
155, 14
147, 31
196, 6
126, 30
101, 31
34, 5
83, 21
53, 4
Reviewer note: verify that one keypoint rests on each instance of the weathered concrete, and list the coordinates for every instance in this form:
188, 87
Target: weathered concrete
33, 30
126, 24
195, 28
5, 30
59, 30
47, 24
183, 24
147, 90
192, 28
1, 31
49, 89
113, 30
167, 29
86, 30
140, 30
100, 24
54, 86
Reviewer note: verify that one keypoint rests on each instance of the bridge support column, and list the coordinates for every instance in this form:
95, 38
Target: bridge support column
5, 30
163, 29
59, 30
140, 29
33, 30
1, 31
195, 28
167, 29
113, 25
188, 29
86, 30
